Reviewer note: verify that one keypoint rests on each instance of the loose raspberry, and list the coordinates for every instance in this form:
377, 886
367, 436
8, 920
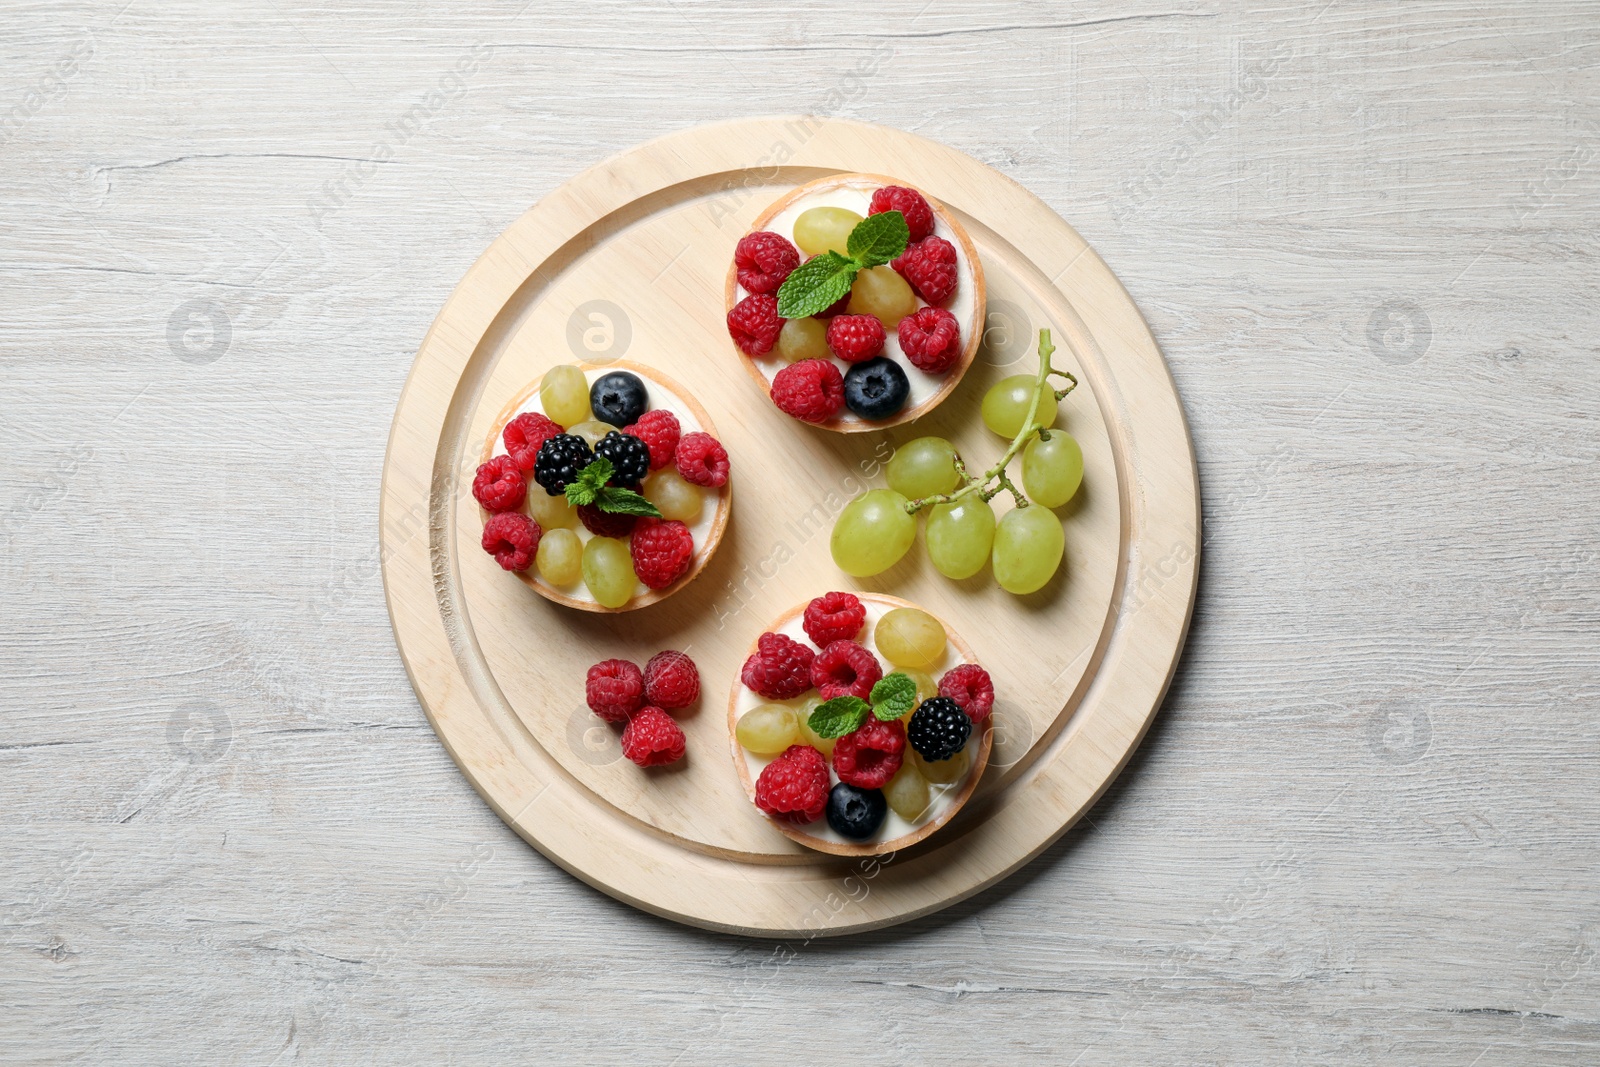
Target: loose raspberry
499, 485
845, 668
834, 617
764, 259
614, 689
870, 755
754, 324
652, 739
702, 460
811, 390
931, 339
512, 539
779, 669
525, 434
930, 267
662, 552
659, 429
910, 203
970, 687
671, 680
838, 307
855, 338
794, 787
605, 523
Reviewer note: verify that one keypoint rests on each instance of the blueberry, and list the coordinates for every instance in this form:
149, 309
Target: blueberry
618, 398
876, 389
856, 813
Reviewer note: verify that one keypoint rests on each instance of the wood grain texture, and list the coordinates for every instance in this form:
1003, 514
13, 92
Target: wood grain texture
1359, 832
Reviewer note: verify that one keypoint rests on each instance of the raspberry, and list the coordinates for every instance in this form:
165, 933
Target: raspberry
511, 538
764, 260
794, 787
659, 430
605, 523
811, 390
970, 687
559, 461
838, 307
662, 552
869, 756
854, 338
779, 669
910, 203
930, 267
702, 460
939, 729
845, 668
931, 339
525, 435
754, 324
652, 739
499, 485
614, 689
671, 680
629, 457
834, 617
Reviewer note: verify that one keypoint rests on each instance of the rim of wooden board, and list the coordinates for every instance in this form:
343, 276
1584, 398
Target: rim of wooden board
1065, 772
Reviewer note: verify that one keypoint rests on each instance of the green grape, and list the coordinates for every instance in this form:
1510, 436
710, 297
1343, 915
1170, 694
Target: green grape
673, 495
1005, 405
768, 729
872, 533
550, 512
823, 229
809, 736
909, 637
803, 339
927, 688
945, 771
882, 292
1027, 549
560, 557
960, 535
923, 467
907, 793
1052, 470
564, 394
608, 571
591, 431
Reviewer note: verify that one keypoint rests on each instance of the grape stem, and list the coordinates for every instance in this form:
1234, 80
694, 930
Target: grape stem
997, 475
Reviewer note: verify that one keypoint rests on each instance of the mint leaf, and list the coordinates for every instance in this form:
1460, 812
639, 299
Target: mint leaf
837, 717
816, 284
593, 478
619, 501
894, 696
877, 239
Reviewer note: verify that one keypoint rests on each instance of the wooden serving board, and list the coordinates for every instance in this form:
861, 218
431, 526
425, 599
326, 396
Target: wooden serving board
628, 260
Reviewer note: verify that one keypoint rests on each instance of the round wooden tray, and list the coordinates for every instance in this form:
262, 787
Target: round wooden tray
643, 241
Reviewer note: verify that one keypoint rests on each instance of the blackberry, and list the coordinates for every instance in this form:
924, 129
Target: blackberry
618, 398
876, 389
939, 729
559, 461
629, 456
856, 813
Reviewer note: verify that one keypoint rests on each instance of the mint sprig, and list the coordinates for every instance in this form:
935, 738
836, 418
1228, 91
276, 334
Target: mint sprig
839, 716
590, 487
821, 281
893, 696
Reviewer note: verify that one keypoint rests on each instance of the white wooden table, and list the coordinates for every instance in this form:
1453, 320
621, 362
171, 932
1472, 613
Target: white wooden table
1363, 829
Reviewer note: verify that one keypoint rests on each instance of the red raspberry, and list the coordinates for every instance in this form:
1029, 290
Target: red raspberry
614, 689
512, 539
499, 485
764, 260
659, 429
754, 324
811, 390
662, 552
930, 267
794, 787
910, 203
524, 434
855, 338
652, 739
834, 617
605, 523
931, 339
869, 756
671, 680
702, 460
970, 687
845, 668
779, 669
838, 307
